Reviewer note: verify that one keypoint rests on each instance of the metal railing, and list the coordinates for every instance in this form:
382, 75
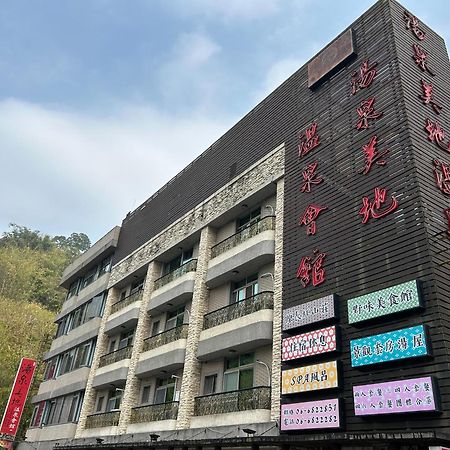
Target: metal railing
263, 300
190, 266
165, 337
264, 224
134, 297
153, 413
107, 419
117, 355
228, 402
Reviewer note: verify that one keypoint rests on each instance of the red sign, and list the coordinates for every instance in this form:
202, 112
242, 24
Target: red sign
310, 177
372, 155
17, 398
311, 268
363, 79
377, 208
308, 140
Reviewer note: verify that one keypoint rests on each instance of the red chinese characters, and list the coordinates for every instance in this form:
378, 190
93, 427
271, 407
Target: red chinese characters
377, 208
420, 58
447, 215
436, 134
311, 270
442, 176
428, 97
309, 218
310, 177
413, 24
364, 78
372, 155
366, 112
309, 140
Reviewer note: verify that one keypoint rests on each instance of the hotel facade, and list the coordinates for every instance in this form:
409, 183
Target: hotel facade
291, 286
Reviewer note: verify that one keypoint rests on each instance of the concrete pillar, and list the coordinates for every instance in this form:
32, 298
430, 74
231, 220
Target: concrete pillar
100, 349
130, 396
277, 305
191, 373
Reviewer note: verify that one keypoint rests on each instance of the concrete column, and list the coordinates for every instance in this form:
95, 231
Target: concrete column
191, 373
100, 349
277, 305
130, 396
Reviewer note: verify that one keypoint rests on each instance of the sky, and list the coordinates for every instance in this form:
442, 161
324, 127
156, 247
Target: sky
104, 101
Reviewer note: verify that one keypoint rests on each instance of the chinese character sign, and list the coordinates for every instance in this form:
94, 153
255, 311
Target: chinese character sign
441, 172
401, 297
311, 415
311, 269
309, 140
391, 346
413, 24
379, 207
401, 396
311, 312
310, 378
308, 344
364, 77
17, 398
310, 177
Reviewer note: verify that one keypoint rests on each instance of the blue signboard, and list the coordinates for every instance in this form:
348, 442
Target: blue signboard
391, 346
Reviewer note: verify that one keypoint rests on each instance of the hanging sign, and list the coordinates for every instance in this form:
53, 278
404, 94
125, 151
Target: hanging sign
400, 396
397, 298
391, 346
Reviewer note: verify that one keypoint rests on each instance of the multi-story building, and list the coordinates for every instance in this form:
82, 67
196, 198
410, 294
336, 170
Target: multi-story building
290, 286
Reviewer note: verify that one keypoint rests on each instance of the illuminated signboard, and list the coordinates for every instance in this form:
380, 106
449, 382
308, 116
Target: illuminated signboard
311, 415
310, 378
401, 396
401, 297
398, 344
308, 344
311, 312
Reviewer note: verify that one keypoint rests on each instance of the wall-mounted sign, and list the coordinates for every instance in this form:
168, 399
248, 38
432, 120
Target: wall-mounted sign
311, 312
308, 344
401, 396
310, 378
398, 344
311, 415
397, 298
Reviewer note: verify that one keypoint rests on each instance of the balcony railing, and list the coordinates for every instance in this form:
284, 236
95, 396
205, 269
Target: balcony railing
228, 402
165, 337
118, 355
153, 413
263, 300
190, 266
108, 419
264, 224
134, 297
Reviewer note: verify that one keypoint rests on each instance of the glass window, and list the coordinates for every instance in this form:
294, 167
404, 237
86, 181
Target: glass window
114, 399
75, 407
126, 339
155, 328
73, 289
209, 385
50, 369
112, 346
239, 372
246, 288
175, 318
89, 277
138, 286
165, 390
100, 401
248, 220
145, 397
105, 266
185, 256
96, 306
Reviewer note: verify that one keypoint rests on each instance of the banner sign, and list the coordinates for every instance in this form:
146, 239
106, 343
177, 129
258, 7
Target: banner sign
401, 297
311, 415
310, 378
309, 344
412, 395
311, 312
391, 346
17, 398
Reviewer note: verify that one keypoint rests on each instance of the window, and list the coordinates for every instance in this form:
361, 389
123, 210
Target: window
75, 407
61, 327
67, 361
49, 412
112, 346
114, 399
83, 355
126, 339
100, 401
248, 220
178, 261
37, 414
89, 277
73, 289
96, 306
246, 288
145, 396
209, 384
50, 369
105, 266
138, 286
165, 390
175, 318
239, 372
155, 328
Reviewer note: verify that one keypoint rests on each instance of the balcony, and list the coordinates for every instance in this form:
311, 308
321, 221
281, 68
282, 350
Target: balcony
245, 251
135, 297
108, 419
234, 401
154, 413
190, 266
262, 300
165, 351
113, 357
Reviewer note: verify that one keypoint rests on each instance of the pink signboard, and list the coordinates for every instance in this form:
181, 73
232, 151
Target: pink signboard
401, 396
311, 415
308, 344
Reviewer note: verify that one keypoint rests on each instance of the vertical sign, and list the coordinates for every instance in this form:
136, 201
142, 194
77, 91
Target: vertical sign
17, 398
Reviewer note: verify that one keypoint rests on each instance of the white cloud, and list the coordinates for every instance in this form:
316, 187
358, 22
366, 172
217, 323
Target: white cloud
194, 49
66, 172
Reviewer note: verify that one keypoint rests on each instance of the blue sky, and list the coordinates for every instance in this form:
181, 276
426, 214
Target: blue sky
103, 101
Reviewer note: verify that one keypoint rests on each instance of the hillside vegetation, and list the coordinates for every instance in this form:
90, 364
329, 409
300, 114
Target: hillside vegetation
31, 265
